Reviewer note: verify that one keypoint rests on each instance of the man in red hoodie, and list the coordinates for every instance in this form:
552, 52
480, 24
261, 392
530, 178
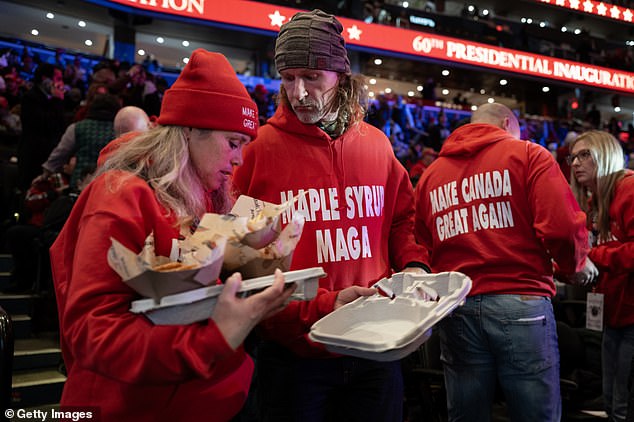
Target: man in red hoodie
499, 210
358, 205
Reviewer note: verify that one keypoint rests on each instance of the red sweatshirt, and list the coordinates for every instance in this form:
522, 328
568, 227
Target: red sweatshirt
615, 259
498, 209
118, 361
358, 206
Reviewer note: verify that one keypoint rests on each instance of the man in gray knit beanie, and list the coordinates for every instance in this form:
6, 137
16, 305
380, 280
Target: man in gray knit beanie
317, 141
312, 40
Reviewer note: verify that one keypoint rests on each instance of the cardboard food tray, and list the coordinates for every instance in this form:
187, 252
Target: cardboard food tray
260, 238
157, 285
197, 305
139, 270
384, 329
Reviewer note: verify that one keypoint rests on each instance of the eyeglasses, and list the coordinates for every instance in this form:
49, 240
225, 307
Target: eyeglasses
582, 155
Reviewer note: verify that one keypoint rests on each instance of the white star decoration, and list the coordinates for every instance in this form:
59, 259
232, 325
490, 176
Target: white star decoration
354, 33
599, 8
277, 19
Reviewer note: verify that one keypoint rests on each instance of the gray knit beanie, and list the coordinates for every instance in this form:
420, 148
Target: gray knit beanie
312, 40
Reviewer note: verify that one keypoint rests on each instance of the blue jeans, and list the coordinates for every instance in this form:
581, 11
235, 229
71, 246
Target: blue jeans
509, 339
616, 356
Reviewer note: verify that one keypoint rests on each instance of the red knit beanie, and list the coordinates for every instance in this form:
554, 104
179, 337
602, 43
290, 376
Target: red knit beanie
209, 95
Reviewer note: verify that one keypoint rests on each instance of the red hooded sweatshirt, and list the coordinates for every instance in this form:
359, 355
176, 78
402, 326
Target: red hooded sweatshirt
357, 201
615, 259
119, 364
498, 209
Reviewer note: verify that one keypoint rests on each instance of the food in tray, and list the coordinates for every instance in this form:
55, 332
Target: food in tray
254, 244
258, 222
174, 266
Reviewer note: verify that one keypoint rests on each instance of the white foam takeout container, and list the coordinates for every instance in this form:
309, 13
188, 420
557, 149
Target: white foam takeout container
384, 329
198, 305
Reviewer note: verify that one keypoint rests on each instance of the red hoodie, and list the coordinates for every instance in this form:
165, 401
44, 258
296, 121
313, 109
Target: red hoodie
615, 259
358, 205
498, 209
117, 361
111, 146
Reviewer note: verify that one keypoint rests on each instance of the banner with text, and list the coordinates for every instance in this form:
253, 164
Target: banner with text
263, 16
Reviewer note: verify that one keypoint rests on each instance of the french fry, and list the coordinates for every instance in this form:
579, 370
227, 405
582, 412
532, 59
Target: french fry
174, 266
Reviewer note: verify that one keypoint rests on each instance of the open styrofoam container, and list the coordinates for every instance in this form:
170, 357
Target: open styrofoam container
384, 329
197, 305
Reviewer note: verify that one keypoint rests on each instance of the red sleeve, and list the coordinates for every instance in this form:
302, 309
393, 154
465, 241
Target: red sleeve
96, 324
557, 218
421, 230
106, 151
290, 327
619, 253
402, 244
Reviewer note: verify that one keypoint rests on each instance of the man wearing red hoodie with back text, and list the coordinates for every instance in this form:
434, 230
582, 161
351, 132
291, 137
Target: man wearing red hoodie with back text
499, 210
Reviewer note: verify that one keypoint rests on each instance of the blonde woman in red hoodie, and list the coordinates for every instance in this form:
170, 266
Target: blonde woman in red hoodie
120, 366
605, 191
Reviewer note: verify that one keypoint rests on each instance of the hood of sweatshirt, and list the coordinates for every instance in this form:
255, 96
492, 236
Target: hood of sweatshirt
471, 138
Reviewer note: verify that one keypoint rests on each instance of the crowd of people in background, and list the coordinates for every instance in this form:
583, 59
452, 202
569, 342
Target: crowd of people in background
56, 114
417, 131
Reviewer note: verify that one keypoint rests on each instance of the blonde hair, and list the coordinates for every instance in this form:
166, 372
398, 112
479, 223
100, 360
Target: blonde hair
607, 154
350, 100
160, 156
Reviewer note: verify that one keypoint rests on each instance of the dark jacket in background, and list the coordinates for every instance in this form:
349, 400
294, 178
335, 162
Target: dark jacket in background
42, 127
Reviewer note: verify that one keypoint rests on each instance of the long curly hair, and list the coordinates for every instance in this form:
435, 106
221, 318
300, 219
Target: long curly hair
161, 157
350, 101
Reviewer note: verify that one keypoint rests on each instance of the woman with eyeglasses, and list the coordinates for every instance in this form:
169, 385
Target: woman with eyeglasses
605, 191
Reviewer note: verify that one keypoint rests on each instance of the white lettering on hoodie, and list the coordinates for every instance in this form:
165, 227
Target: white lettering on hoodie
349, 240
492, 212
